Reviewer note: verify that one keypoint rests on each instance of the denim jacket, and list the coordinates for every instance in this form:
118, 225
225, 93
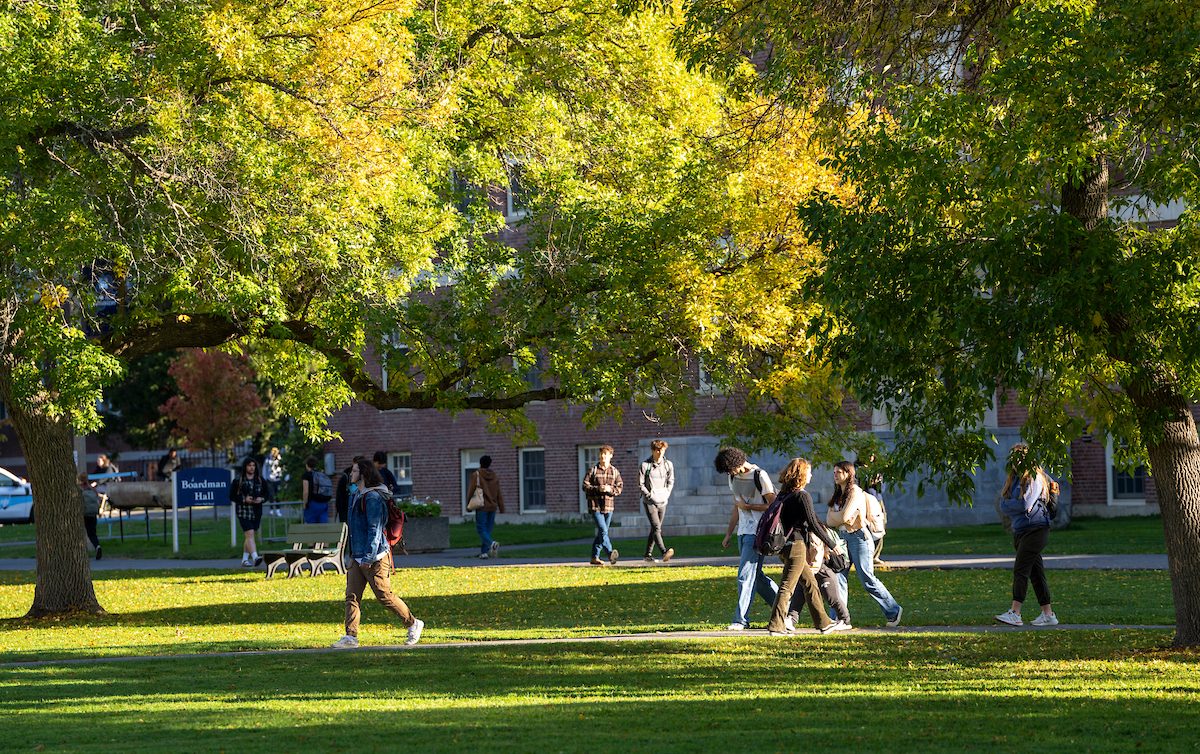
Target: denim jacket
1024, 513
368, 516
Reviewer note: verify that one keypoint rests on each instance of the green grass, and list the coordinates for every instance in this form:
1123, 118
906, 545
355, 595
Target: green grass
1089, 691
464, 535
1086, 536
204, 611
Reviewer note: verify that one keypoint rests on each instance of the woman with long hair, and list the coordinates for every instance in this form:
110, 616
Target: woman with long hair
847, 513
800, 554
248, 492
1023, 501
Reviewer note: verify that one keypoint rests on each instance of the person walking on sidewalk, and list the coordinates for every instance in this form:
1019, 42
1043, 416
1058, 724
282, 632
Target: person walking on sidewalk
752, 494
248, 493
371, 556
602, 484
848, 513
1023, 502
273, 474
656, 480
91, 509
493, 501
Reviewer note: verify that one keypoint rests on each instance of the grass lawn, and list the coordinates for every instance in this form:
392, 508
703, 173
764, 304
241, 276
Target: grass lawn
1086, 536
204, 611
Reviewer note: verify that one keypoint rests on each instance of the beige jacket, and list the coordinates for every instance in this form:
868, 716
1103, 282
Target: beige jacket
852, 517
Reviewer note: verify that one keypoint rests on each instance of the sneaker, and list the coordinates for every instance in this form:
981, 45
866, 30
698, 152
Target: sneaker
1011, 618
99, 552
1045, 619
670, 553
736, 627
650, 559
829, 628
483, 556
346, 642
494, 550
896, 621
414, 632
257, 560
789, 624
246, 563
841, 625
597, 561
779, 633
612, 557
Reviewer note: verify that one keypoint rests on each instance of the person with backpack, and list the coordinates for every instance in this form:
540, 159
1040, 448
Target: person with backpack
486, 481
1024, 502
247, 493
801, 551
656, 478
316, 490
371, 555
848, 514
876, 510
752, 494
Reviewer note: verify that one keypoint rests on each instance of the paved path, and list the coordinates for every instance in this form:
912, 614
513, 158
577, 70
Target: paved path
657, 636
468, 558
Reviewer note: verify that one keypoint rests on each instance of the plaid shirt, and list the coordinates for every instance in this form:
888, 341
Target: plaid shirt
604, 502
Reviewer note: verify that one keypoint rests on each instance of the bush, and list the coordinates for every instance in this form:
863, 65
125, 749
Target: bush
420, 510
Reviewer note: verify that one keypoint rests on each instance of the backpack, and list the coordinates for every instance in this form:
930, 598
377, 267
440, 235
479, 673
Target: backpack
1051, 499
769, 537
322, 487
393, 528
876, 516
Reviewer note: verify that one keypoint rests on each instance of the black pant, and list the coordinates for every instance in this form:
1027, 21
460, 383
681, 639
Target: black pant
655, 513
827, 581
89, 524
1028, 564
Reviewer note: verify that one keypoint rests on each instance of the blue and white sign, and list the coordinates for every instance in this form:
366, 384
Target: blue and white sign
200, 486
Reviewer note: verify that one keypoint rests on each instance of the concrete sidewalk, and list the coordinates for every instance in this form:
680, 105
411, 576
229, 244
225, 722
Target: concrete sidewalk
468, 557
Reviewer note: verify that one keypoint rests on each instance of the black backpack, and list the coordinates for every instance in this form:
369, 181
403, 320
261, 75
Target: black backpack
322, 487
770, 538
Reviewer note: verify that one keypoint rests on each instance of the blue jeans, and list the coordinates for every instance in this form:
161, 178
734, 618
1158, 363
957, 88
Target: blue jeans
484, 521
316, 513
862, 554
602, 542
751, 579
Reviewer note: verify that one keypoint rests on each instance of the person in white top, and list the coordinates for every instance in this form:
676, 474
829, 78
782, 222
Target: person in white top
752, 494
847, 513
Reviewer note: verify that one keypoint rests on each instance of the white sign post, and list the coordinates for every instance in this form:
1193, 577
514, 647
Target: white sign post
174, 517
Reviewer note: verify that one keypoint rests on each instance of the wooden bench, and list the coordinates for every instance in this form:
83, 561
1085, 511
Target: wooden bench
314, 545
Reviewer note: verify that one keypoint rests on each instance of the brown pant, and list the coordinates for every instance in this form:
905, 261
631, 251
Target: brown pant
796, 568
378, 575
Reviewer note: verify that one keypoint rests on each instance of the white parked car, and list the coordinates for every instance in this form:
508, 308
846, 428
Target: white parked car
16, 499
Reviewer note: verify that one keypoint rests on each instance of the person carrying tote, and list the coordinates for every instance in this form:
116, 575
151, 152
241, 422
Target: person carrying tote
485, 480
1023, 501
847, 513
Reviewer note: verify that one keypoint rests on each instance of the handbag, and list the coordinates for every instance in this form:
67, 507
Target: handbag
476, 502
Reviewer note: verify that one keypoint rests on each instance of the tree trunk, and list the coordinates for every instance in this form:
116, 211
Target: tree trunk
64, 572
1174, 449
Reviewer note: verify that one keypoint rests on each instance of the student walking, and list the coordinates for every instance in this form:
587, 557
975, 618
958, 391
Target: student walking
371, 556
248, 493
602, 484
656, 480
273, 474
91, 509
1023, 501
752, 493
847, 513
802, 551
493, 501
316, 490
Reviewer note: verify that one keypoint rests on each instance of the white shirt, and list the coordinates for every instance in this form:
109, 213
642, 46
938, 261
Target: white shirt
745, 490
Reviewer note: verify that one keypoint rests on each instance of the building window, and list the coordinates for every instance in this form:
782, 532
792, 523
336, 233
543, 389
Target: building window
589, 456
400, 464
516, 195
533, 480
1129, 486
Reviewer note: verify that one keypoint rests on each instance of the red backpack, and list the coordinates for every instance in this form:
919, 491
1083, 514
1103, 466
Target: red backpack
393, 528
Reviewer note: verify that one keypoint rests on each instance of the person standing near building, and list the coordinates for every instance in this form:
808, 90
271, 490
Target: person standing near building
752, 493
248, 493
656, 480
169, 464
389, 479
273, 474
316, 490
1023, 501
493, 501
371, 556
602, 484
91, 509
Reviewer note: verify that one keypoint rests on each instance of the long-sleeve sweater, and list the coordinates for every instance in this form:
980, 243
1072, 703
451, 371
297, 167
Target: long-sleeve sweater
1024, 507
850, 516
798, 518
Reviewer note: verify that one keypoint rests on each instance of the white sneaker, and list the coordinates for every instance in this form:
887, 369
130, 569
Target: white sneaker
414, 632
494, 550
246, 562
841, 625
483, 556
779, 633
789, 625
346, 642
896, 621
736, 627
1011, 618
1045, 619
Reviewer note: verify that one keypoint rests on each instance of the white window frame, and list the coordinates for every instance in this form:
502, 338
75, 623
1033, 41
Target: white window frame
468, 461
393, 464
705, 386
589, 456
511, 212
521, 479
1110, 480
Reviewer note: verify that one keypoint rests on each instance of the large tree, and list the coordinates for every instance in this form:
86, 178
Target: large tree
315, 181
1009, 161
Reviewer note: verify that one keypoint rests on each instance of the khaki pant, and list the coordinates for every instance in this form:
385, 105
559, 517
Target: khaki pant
796, 568
378, 575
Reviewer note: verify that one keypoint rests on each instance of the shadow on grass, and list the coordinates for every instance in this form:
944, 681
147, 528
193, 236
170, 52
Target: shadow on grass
896, 693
